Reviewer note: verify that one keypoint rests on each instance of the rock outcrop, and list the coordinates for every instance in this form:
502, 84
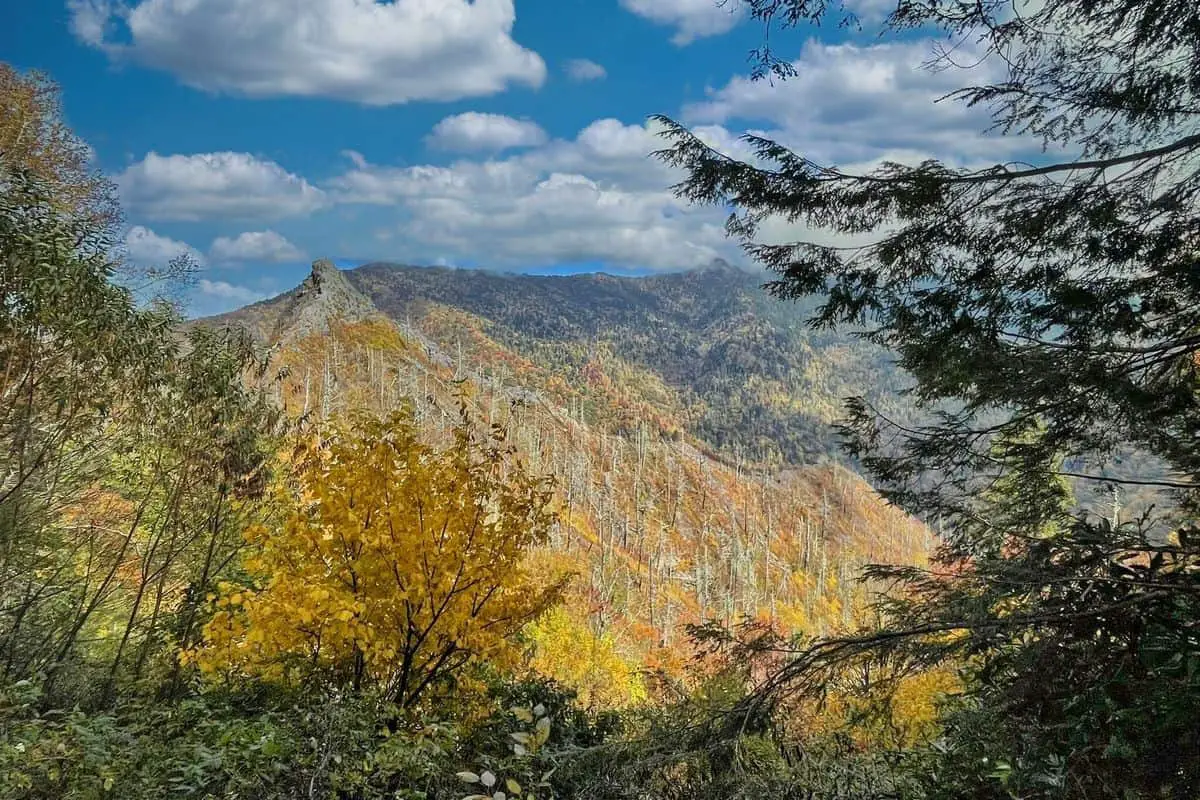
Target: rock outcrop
324, 296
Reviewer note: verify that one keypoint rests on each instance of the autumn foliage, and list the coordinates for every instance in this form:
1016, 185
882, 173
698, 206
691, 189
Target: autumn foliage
569, 651
34, 137
398, 565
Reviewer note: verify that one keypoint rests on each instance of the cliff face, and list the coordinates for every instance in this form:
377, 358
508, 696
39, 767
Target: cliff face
325, 296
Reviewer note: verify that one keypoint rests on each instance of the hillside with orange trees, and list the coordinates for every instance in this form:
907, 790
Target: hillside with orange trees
707, 352
660, 529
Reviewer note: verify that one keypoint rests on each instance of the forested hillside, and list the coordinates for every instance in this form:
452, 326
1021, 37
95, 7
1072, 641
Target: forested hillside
706, 352
661, 534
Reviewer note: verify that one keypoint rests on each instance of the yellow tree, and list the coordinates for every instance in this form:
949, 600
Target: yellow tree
399, 565
35, 138
566, 650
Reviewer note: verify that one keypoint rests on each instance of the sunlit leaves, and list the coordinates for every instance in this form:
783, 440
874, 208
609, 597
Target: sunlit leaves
568, 651
398, 565
35, 138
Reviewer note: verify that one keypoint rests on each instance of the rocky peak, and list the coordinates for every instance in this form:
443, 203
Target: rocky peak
324, 296
324, 280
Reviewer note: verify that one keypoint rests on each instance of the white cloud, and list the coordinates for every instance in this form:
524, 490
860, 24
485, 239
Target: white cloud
610, 150
227, 291
582, 69
598, 197
263, 247
697, 19
692, 19
90, 20
572, 218
491, 132
856, 107
871, 12
210, 297
215, 186
356, 50
357, 158
145, 248
850, 103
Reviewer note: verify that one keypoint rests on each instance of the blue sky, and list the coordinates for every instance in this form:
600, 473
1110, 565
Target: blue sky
260, 134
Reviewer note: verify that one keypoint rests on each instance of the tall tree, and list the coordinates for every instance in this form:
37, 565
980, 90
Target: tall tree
35, 137
126, 460
398, 565
1050, 314
36, 140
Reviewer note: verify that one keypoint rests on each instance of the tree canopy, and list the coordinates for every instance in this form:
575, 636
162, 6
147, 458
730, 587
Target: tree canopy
35, 138
1050, 313
396, 566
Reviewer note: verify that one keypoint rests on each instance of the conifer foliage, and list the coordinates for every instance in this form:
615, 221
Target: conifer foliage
1049, 313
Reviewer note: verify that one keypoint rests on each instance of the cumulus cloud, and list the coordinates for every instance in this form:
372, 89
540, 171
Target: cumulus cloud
600, 197
582, 69
228, 291
90, 20
610, 150
691, 19
217, 295
597, 197
492, 132
145, 248
572, 218
851, 103
215, 186
366, 52
858, 106
871, 12
261, 247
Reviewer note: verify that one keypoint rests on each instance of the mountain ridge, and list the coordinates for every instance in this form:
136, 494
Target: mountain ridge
662, 528
707, 351
742, 370
323, 296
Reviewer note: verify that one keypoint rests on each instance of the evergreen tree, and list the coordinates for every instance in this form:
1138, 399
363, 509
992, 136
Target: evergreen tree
1050, 314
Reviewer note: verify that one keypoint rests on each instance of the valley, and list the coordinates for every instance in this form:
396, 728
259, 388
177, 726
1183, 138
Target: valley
619, 396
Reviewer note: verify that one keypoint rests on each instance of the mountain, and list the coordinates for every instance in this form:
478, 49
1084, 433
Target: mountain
324, 296
708, 352
618, 388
